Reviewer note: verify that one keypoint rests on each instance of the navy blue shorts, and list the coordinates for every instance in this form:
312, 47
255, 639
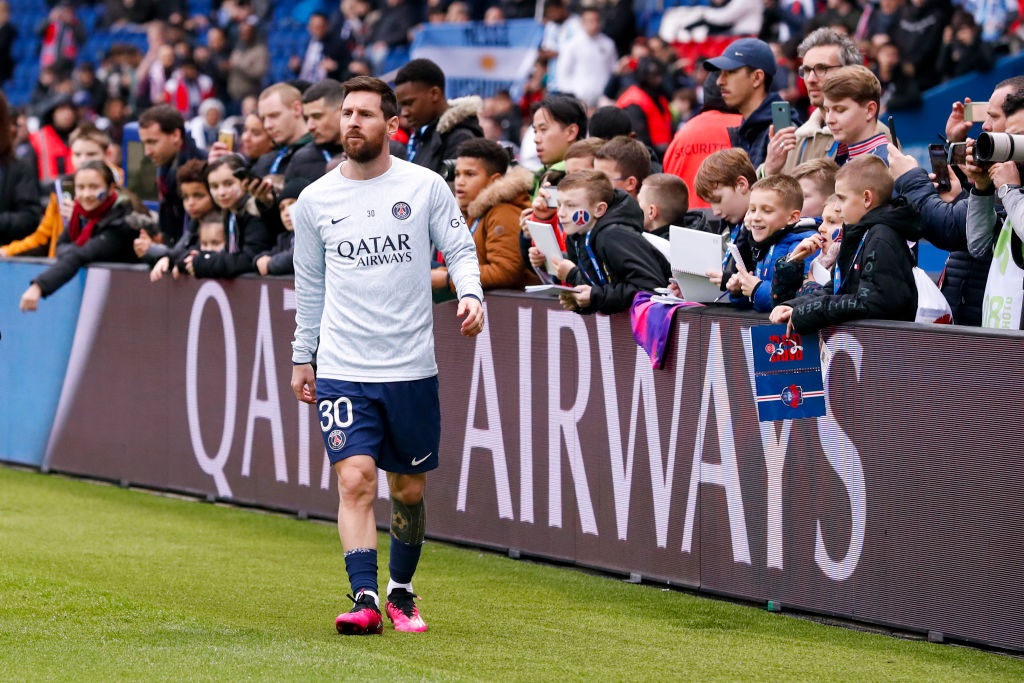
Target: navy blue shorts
398, 424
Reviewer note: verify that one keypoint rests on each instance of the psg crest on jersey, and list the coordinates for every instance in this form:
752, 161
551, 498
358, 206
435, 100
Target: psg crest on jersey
336, 440
401, 210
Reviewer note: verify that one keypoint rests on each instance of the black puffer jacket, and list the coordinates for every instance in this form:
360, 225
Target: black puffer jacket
20, 210
111, 242
253, 238
945, 226
626, 262
310, 161
877, 270
442, 139
693, 220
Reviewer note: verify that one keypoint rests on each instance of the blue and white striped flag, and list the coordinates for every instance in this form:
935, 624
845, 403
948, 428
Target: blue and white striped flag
478, 59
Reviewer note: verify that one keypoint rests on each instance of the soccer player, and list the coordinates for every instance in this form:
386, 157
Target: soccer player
364, 316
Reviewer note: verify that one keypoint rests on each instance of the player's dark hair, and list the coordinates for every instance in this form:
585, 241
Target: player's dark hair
493, 155
421, 71
192, 171
101, 168
1014, 102
232, 161
164, 115
566, 110
388, 103
332, 92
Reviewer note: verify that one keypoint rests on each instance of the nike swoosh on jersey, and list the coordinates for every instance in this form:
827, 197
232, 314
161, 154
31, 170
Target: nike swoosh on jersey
420, 461
335, 221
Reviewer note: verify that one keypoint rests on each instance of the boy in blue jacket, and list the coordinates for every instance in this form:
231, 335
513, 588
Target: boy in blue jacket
874, 272
774, 211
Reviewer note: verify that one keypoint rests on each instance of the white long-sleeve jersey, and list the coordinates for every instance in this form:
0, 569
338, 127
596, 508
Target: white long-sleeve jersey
362, 272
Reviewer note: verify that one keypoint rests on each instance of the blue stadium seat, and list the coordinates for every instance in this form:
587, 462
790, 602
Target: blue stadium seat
88, 16
24, 49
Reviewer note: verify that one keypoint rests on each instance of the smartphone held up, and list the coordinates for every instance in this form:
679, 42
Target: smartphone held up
940, 167
782, 115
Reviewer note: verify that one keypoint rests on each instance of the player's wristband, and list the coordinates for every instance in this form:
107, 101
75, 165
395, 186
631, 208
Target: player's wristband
471, 296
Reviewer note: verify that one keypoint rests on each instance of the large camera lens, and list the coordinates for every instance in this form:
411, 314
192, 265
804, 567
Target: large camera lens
448, 170
998, 147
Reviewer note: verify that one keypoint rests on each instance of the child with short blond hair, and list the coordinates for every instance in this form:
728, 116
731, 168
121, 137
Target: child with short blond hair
873, 276
772, 220
817, 179
581, 154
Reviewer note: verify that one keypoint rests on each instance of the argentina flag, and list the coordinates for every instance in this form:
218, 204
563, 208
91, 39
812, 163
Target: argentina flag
480, 59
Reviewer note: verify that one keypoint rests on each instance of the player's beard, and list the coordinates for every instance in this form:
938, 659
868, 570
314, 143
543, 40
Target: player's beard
362, 149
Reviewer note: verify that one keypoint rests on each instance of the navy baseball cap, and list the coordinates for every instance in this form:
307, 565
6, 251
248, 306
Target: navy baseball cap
744, 52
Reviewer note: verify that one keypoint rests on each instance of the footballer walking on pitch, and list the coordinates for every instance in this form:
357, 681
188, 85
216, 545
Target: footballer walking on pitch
364, 320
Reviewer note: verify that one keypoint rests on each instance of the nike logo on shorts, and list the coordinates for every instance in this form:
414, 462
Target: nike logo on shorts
420, 461
335, 221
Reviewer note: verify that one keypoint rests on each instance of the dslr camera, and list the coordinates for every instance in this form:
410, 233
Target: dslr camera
998, 147
447, 170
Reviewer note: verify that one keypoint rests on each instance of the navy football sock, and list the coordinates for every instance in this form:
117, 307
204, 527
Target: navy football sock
403, 560
361, 564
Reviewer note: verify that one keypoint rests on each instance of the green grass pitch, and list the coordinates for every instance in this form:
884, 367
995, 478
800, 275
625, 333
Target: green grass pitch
99, 583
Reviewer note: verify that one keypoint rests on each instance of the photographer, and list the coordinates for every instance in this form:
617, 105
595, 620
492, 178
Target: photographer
944, 216
995, 216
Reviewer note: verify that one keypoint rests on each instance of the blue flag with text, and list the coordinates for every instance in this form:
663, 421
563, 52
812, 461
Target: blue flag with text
787, 374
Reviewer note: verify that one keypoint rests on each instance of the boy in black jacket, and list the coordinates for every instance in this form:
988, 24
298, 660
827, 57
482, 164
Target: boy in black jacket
278, 261
609, 260
873, 276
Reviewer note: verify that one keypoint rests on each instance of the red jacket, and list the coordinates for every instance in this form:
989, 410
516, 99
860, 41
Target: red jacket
659, 120
49, 149
699, 138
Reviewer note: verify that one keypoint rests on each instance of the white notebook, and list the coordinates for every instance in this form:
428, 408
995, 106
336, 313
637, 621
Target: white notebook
695, 252
548, 290
543, 235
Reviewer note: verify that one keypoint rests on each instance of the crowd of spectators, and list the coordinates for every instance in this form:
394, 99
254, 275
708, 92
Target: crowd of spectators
232, 151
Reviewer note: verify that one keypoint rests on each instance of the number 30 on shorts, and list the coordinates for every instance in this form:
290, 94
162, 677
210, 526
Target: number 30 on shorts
332, 411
